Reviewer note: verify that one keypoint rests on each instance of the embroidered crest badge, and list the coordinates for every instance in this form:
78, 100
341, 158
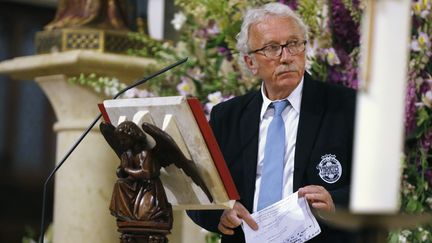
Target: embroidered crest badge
330, 169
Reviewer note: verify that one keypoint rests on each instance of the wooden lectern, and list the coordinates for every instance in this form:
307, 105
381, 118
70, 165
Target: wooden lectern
168, 158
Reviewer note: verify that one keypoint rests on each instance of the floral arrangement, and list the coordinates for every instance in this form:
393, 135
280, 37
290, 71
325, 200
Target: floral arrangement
106, 85
417, 176
207, 31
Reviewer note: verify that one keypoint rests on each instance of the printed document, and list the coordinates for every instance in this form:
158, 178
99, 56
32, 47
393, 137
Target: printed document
287, 221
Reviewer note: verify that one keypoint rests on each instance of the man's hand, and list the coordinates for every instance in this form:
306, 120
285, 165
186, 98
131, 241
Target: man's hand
231, 218
318, 197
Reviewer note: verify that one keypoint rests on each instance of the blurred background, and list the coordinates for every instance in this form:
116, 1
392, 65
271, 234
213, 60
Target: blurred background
27, 140
206, 34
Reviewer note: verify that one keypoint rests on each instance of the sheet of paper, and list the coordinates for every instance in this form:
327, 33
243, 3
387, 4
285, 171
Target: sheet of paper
287, 221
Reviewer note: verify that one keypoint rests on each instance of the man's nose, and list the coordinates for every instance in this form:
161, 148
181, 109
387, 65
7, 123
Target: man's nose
286, 56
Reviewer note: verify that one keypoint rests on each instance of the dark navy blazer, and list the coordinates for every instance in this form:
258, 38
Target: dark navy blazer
326, 126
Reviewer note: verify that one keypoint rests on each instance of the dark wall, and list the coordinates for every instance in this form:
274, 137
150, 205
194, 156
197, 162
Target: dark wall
27, 140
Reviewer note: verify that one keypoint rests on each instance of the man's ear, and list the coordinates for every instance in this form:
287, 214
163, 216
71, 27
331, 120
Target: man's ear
251, 64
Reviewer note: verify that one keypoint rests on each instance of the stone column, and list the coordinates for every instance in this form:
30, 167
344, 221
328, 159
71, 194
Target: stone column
83, 186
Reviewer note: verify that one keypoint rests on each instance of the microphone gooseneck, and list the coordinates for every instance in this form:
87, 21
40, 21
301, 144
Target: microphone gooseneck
84, 134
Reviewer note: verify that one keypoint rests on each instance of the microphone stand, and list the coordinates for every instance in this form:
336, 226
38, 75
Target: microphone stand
84, 134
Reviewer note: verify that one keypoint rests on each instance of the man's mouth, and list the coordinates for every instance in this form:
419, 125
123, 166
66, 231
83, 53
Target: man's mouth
284, 72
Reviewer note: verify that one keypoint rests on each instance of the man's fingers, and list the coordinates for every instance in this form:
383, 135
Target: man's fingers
310, 189
316, 197
320, 205
250, 221
225, 230
230, 219
245, 215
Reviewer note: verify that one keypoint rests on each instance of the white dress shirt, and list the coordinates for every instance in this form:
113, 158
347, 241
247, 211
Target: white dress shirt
291, 118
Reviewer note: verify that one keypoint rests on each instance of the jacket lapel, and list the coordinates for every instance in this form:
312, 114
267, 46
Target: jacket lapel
311, 112
249, 131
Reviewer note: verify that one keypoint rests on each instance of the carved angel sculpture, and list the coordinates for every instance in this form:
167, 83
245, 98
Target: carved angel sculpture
138, 193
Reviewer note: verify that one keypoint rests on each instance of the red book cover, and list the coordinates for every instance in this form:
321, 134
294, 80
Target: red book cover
104, 113
213, 147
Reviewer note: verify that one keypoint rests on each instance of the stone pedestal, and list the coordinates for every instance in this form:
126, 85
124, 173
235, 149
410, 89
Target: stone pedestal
83, 185
184, 230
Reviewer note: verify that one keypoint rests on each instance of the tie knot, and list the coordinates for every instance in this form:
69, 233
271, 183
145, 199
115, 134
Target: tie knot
279, 106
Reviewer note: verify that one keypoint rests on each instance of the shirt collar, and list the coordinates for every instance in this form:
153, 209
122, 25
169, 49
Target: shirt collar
294, 98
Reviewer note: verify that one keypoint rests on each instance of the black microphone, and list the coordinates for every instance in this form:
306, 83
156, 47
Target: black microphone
136, 83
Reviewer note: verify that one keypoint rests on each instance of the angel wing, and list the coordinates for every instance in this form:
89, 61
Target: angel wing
167, 151
107, 131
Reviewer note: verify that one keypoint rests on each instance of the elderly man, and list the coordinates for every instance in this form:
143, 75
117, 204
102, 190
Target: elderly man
295, 134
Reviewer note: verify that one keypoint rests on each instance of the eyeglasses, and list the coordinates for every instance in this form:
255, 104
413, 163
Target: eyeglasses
274, 50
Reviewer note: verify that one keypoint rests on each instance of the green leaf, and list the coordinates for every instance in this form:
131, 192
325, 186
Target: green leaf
422, 116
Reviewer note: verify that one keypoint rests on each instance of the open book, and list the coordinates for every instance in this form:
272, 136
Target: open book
184, 120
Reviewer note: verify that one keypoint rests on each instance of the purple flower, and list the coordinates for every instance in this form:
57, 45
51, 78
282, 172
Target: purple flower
426, 141
210, 31
410, 107
346, 72
291, 3
225, 52
428, 175
345, 30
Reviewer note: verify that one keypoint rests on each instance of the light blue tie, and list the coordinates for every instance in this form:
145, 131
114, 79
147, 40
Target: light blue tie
273, 163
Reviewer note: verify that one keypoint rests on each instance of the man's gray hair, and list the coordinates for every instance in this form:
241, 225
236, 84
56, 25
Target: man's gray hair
256, 15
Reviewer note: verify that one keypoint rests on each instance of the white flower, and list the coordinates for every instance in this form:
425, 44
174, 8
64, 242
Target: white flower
215, 98
311, 49
427, 98
213, 30
178, 20
424, 40
311, 53
425, 236
429, 201
131, 93
144, 93
421, 42
331, 56
406, 233
422, 8
184, 88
